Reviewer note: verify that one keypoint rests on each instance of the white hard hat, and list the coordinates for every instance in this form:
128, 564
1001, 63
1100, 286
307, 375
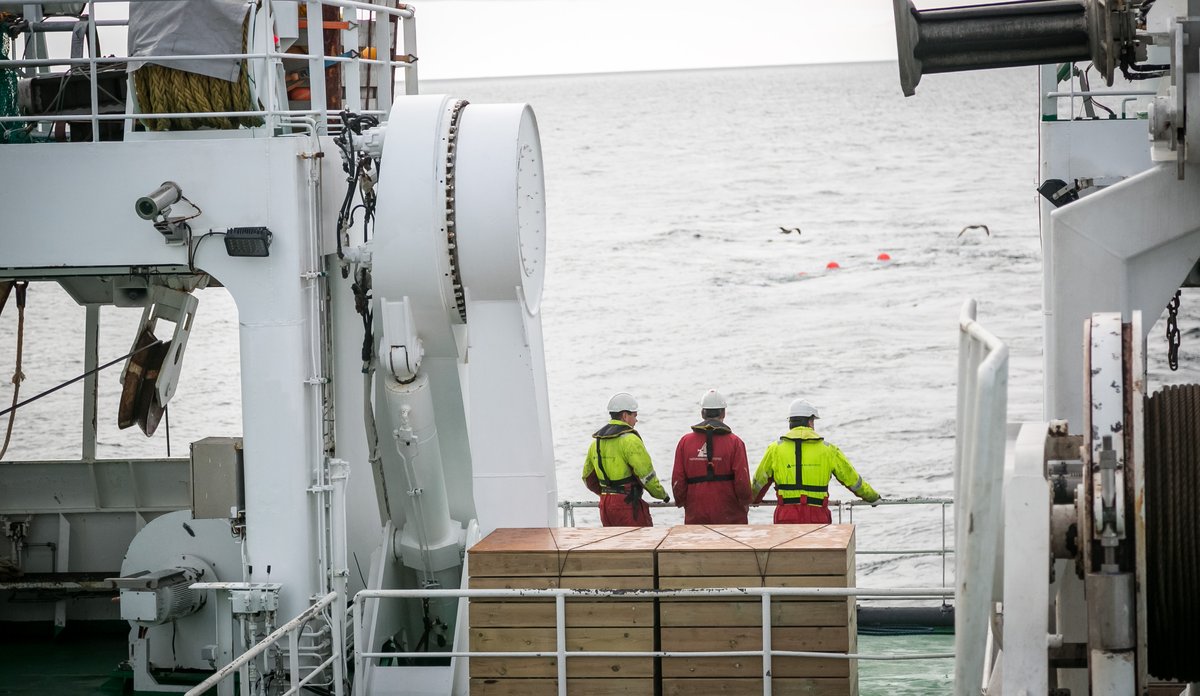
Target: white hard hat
712, 399
622, 401
802, 409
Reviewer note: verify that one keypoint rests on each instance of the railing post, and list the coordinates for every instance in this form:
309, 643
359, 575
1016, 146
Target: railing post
766, 642
560, 635
294, 656
360, 675
943, 547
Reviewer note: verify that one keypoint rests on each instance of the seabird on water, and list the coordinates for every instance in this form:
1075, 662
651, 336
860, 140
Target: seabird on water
789, 230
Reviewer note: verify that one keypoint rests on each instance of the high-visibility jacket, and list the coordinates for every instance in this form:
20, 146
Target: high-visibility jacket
819, 461
623, 464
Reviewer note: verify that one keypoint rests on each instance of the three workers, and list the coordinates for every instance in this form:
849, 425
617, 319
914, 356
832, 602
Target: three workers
711, 479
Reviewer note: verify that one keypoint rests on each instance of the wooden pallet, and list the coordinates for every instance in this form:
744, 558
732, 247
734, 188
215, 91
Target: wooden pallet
573, 558
676, 558
701, 556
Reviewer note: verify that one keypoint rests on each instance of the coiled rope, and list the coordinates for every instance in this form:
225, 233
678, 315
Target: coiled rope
166, 90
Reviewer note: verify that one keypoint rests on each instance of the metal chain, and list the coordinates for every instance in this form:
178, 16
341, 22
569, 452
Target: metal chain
1173, 332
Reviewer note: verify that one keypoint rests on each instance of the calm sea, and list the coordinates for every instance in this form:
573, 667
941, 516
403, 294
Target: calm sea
668, 274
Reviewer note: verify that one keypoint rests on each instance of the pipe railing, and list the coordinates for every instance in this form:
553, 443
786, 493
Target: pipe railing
560, 596
292, 631
406, 61
978, 477
569, 506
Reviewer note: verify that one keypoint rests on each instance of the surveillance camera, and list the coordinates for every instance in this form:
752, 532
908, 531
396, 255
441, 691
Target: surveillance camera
157, 203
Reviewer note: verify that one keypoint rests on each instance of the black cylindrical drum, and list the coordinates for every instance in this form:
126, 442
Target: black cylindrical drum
978, 37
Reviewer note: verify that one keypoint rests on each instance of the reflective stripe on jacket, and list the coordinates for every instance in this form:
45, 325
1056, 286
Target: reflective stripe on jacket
819, 461
622, 456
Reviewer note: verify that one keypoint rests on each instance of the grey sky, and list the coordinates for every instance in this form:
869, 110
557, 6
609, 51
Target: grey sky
464, 38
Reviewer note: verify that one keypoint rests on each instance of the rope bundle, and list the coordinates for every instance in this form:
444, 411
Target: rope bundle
167, 90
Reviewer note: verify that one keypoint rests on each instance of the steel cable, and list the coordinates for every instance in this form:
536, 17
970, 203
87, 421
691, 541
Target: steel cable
1173, 531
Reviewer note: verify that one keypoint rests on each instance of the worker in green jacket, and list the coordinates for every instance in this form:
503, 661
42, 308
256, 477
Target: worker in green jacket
801, 463
618, 468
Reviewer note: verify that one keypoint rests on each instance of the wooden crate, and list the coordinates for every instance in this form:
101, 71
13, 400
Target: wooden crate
572, 558
699, 556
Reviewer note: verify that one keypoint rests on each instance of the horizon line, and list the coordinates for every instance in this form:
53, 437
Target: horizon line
654, 70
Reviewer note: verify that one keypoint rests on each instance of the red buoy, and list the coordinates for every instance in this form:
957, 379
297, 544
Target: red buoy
883, 257
832, 265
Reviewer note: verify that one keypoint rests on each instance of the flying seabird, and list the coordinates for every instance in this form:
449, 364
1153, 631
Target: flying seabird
975, 227
789, 230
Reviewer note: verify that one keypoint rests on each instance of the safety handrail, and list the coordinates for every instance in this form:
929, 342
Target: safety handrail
291, 629
273, 114
766, 653
978, 474
568, 508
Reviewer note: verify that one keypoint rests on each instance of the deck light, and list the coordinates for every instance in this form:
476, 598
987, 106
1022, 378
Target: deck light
248, 241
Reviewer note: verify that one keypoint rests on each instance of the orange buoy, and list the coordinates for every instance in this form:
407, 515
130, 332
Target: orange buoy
883, 257
832, 265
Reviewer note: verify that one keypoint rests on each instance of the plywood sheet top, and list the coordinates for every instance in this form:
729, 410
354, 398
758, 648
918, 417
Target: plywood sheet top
813, 537
573, 539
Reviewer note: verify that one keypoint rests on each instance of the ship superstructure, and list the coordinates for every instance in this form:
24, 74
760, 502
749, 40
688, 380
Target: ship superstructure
386, 259
1086, 525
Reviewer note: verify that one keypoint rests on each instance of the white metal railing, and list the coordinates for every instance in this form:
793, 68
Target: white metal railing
978, 475
842, 506
291, 630
351, 66
560, 596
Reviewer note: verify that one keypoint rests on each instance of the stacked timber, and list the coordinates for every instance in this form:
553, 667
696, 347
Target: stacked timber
757, 556
613, 558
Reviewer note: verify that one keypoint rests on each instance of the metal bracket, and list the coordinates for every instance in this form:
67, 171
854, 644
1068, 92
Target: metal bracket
402, 350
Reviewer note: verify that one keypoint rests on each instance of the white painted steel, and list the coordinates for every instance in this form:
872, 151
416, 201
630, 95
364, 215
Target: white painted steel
560, 640
274, 637
339, 471
501, 223
164, 543
1112, 673
429, 539
429, 683
1127, 247
501, 204
766, 642
1026, 566
743, 592
509, 415
978, 474
1105, 417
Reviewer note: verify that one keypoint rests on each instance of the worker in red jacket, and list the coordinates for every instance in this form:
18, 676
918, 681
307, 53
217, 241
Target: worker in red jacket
711, 480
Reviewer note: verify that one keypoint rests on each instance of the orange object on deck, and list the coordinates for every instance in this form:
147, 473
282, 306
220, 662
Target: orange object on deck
326, 25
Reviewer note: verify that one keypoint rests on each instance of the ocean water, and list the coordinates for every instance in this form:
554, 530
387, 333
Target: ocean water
667, 275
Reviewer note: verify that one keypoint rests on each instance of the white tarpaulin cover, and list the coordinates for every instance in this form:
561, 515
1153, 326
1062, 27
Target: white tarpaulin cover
188, 27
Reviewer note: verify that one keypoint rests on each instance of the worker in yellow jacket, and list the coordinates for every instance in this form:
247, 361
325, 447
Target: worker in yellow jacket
618, 468
801, 464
